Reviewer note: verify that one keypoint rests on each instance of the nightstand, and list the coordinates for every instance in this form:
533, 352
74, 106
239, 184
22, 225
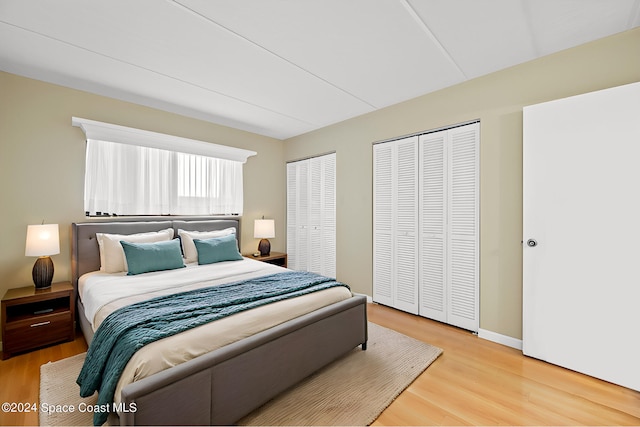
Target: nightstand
277, 258
33, 318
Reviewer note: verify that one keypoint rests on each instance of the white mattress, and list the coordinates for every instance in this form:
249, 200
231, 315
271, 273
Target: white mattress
102, 293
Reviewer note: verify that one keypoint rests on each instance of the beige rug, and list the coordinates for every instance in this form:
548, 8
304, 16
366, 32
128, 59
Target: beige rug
351, 391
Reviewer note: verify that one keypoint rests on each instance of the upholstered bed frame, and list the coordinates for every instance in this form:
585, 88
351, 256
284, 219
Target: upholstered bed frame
223, 386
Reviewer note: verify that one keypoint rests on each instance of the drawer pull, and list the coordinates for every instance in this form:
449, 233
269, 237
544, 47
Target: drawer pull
41, 324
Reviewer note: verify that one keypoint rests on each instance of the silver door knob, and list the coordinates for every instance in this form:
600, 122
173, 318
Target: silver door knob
532, 243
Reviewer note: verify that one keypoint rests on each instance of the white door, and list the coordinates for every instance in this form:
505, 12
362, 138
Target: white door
449, 282
406, 225
395, 224
328, 220
322, 211
463, 235
581, 233
383, 260
433, 226
311, 215
298, 215
292, 219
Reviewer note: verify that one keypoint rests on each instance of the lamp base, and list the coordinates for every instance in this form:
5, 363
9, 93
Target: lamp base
42, 272
264, 247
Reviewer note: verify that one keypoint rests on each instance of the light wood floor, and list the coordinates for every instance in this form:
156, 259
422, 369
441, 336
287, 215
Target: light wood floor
474, 382
20, 379
478, 382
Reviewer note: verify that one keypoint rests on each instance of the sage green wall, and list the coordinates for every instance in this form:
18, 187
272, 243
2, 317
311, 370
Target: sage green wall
42, 166
497, 100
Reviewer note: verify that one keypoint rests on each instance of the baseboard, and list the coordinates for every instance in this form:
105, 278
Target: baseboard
500, 339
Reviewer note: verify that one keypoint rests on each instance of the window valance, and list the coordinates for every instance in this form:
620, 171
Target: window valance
125, 135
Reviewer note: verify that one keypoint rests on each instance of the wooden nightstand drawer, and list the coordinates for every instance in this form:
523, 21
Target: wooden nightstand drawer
33, 318
37, 331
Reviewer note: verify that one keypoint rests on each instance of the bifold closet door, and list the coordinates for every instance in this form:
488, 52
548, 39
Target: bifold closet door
311, 215
298, 215
425, 225
322, 215
449, 237
433, 226
395, 224
463, 227
383, 201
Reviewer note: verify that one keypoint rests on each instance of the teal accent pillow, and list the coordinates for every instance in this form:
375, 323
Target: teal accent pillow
217, 249
157, 256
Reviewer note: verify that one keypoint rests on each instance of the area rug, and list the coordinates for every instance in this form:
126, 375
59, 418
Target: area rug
353, 390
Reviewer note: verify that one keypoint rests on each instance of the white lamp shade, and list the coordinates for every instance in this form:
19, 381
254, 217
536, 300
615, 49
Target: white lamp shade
264, 229
42, 240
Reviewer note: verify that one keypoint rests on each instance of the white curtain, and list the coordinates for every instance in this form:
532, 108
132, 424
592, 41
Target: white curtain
127, 179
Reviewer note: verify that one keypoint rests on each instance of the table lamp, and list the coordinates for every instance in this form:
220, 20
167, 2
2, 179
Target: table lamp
264, 229
42, 240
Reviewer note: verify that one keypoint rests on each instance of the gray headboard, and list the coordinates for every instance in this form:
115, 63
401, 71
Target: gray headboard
85, 254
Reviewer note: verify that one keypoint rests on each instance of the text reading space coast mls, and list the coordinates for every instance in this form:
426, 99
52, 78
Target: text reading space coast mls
81, 407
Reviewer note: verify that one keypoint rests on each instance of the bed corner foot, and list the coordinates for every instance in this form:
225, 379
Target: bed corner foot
364, 346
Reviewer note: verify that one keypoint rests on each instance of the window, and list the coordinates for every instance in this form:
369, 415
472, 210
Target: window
134, 172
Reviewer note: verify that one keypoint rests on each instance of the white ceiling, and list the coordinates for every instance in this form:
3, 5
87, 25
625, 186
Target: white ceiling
285, 67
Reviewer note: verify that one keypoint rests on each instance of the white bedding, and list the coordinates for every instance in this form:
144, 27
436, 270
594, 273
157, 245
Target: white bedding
98, 290
103, 293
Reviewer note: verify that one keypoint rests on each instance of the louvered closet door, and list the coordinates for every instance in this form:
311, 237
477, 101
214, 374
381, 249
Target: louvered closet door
302, 218
315, 215
328, 218
383, 259
298, 209
292, 216
311, 215
322, 215
463, 227
406, 225
449, 280
433, 220
395, 219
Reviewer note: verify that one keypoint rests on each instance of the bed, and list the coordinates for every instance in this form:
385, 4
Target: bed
222, 385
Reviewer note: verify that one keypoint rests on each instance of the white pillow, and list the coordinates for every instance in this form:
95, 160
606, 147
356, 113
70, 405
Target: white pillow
189, 248
112, 259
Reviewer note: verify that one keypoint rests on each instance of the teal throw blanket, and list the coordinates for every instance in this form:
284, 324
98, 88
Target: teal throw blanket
129, 328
